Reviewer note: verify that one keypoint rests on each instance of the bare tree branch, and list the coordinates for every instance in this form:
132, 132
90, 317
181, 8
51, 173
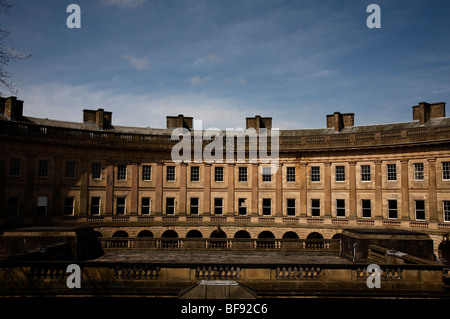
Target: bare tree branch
7, 55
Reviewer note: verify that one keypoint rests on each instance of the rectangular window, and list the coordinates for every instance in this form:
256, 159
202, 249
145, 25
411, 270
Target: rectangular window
242, 203
418, 172
13, 206
68, 206
146, 205
340, 207
14, 168
146, 172
340, 173
365, 173
170, 205
420, 209
95, 205
315, 207
218, 206
195, 173
120, 206
170, 174
446, 170
446, 204
315, 173
391, 172
266, 174
218, 174
242, 174
43, 168
96, 170
392, 208
267, 206
290, 207
121, 172
290, 174
42, 205
70, 170
194, 203
366, 208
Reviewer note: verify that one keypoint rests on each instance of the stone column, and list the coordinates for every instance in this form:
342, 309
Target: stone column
327, 186
134, 193
109, 205
303, 190
352, 189
57, 207
378, 191
159, 189
432, 190
207, 190
230, 204
279, 191
255, 188
405, 189
84, 188
183, 192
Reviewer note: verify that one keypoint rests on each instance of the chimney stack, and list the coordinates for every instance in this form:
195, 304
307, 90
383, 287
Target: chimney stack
179, 121
100, 117
11, 107
258, 122
340, 120
424, 111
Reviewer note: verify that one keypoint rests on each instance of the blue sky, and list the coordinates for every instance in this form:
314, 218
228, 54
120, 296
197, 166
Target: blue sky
223, 60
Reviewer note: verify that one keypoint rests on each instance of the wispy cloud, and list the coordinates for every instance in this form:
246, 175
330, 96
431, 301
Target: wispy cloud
197, 80
136, 63
211, 57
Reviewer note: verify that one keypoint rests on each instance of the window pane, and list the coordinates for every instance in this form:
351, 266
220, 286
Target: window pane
418, 171
170, 206
96, 170
145, 205
267, 206
70, 169
195, 173
392, 208
242, 174
446, 170
68, 206
446, 204
218, 174
120, 207
194, 205
290, 174
218, 206
242, 203
43, 168
366, 208
122, 172
42, 205
14, 169
420, 209
266, 174
290, 207
340, 173
391, 172
95, 205
170, 173
365, 173
146, 172
340, 207
315, 173
315, 207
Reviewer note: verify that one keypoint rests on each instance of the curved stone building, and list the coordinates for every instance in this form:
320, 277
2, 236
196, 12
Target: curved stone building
122, 181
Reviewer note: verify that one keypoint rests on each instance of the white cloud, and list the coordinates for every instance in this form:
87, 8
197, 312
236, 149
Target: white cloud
241, 80
211, 57
196, 80
136, 63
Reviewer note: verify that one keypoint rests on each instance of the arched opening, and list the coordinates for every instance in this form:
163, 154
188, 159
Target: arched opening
98, 234
120, 233
169, 234
242, 234
145, 233
444, 252
266, 234
337, 236
194, 233
218, 233
290, 235
314, 235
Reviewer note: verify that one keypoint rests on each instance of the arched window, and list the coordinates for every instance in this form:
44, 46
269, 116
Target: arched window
120, 233
218, 233
145, 233
290, 235
170, 234
242, 234
194, 234
266, 234
314, 235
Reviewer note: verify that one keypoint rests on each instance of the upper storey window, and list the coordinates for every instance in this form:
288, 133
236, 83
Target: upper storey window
418, 172
340, 173
122, 172
446, 170
170, 175
266, 174
43, 168
96, 170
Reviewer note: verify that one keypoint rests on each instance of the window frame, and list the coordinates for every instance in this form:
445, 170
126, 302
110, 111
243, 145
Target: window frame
218, 174
96, 169
96, 206
445, 171
266, 208
340, 176
391, 172
71, 206
446, 210
146, 208
172, 206
242, 209
314, 208
122, 172
121, 206
195, 174
290, 210
419, 174
71, 170
340, 208
43, 168
146, 173
419, 210
365, 173
365, 209
266, 174
392, 209
15, 164
194, 206
171, 173
42, 197
290, 174
242, 176
315, 174
218, 209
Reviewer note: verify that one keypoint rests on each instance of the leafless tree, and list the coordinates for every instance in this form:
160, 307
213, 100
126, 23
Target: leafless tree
7, 55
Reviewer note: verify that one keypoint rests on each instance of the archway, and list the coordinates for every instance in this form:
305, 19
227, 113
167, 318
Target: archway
145, 233
242, 234
290, 235
266, 234
194, 233
218, 233
444, 251
169, 234
120, 233
314, 235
